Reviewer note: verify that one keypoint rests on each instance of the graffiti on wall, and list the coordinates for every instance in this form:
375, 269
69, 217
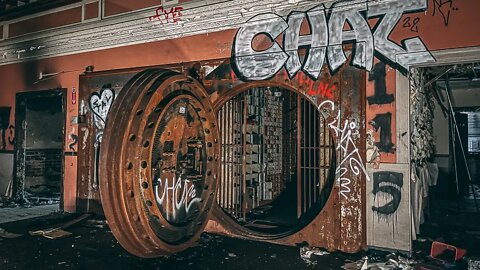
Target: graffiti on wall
346, 133
444, 9
379, 77
390, 185
172, 15
380, 114
411, 23
373, 154
73, 140
383, 122
4, 125
11, 135
326, 39
178, 195
100, 103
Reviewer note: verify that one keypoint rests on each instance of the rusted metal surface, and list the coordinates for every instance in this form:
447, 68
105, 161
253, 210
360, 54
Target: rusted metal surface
340, 224
159, 163
88, 195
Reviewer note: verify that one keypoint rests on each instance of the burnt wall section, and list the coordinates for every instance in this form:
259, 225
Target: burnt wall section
43, 171
44, 118
40, 122
6, 173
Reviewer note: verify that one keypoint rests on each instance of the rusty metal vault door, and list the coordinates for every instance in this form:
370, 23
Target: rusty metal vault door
159, 163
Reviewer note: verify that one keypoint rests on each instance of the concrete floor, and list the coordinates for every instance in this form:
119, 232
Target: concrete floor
90, 247
10, 214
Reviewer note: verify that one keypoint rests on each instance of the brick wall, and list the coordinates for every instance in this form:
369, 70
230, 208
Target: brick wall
43, 162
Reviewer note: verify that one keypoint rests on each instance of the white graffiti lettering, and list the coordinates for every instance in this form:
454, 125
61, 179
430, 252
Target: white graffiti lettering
178, 196
326, 39
100, 104
350, 158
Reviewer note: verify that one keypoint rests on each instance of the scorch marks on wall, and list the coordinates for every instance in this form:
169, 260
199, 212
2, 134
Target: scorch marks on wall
6, 127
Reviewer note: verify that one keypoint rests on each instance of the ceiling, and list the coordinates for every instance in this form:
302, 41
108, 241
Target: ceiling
462, 76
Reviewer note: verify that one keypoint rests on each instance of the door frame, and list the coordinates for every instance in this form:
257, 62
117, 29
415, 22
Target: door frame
18, 194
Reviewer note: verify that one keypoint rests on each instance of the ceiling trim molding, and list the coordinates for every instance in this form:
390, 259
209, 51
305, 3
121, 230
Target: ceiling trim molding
199, 17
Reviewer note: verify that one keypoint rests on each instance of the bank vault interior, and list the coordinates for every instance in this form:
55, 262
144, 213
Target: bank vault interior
277, 157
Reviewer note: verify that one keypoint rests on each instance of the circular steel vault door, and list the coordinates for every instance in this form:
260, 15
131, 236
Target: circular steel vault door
159, 163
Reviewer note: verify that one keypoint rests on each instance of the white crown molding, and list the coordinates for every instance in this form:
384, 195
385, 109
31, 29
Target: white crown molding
198, 17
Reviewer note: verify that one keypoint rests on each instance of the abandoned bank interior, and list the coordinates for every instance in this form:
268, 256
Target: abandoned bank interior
343, 125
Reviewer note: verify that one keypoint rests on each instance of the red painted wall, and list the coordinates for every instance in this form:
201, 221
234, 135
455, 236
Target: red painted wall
461, 31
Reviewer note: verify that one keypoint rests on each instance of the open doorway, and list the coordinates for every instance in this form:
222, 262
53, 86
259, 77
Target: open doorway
277, 156
446, 132
39, 148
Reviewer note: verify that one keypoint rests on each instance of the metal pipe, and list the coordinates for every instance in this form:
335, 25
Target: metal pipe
455, 126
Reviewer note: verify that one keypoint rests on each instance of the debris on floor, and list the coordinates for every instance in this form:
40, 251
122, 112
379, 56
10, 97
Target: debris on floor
96, 223
473, 192
51, 233
377, 260
58, 231
307, 252
32, 199
360, 264
474, 263
446, 253
5, 234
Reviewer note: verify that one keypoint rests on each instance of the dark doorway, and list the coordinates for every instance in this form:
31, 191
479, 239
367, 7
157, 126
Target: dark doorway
451, 194
39, 148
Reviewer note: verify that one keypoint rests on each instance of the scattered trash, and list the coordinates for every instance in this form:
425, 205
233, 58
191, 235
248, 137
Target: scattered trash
356, 265
96, 223
473, 192
58, 232
307, 252
5, 234
474, 263
52, 233
446, 253
375, 261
